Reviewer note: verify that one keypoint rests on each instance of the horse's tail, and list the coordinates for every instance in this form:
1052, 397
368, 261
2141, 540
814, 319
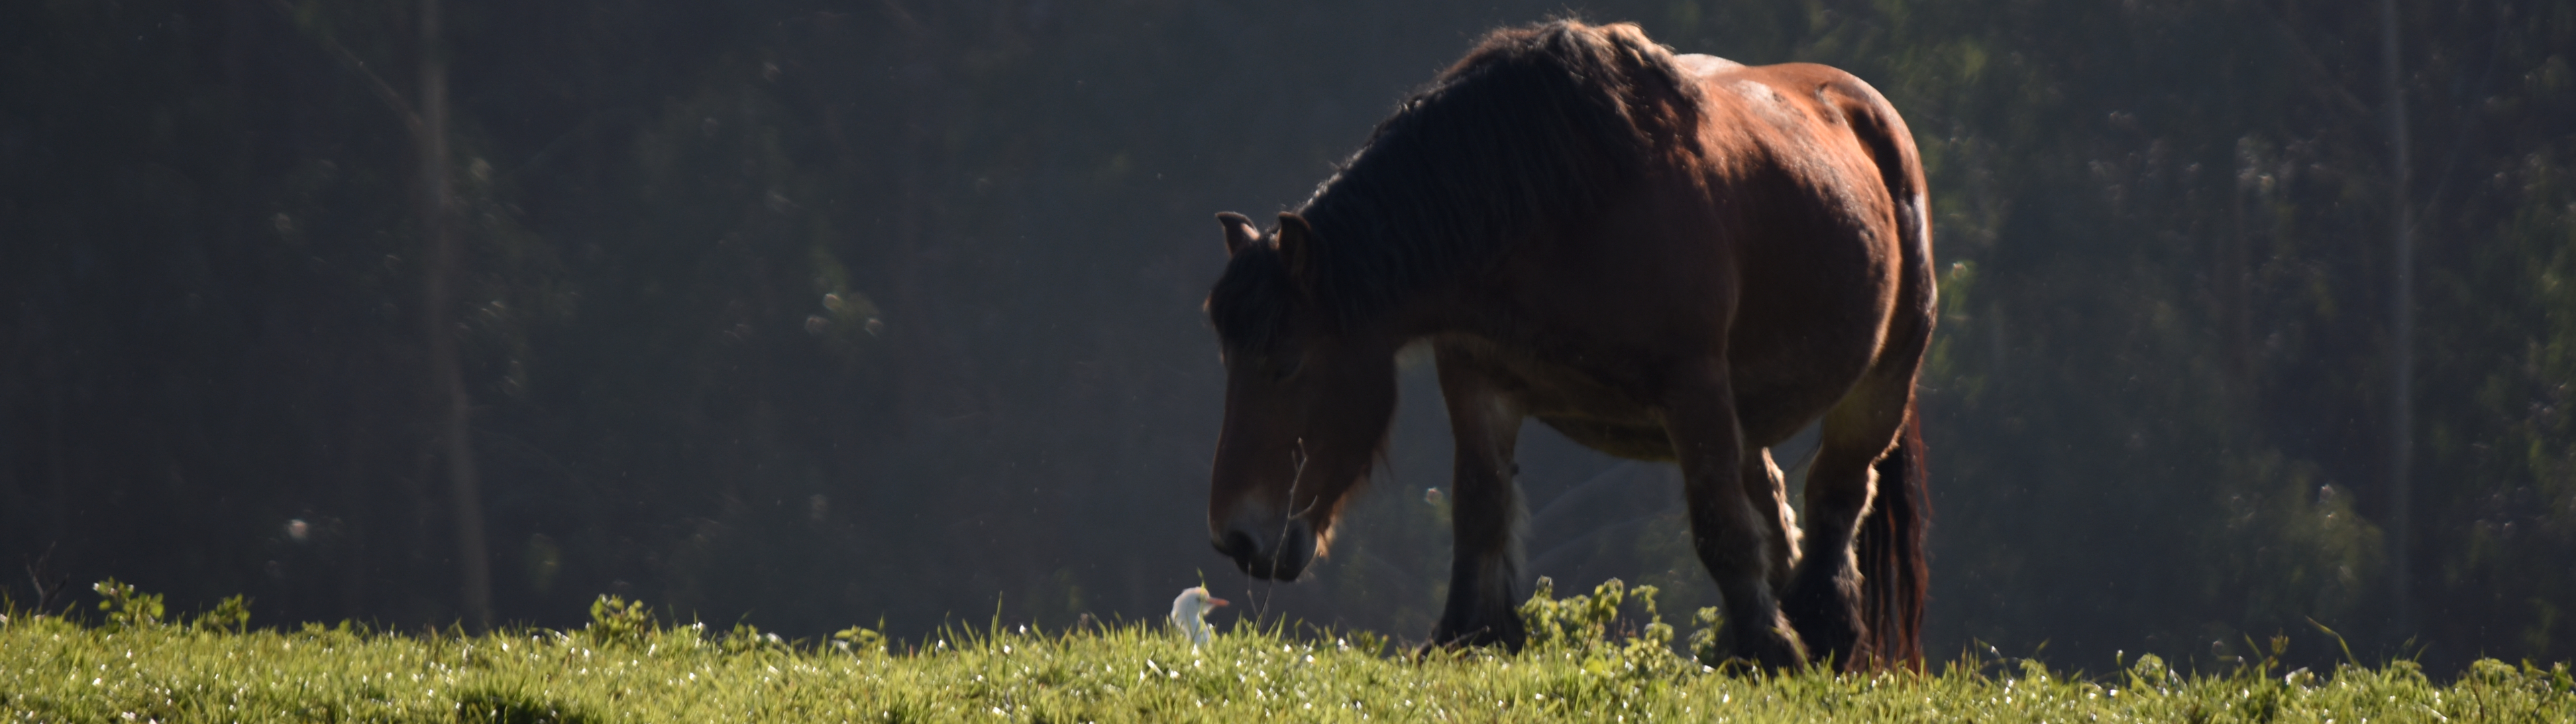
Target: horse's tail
1892, 563
1890, 540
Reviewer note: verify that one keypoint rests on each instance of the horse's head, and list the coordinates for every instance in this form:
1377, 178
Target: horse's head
1307, 402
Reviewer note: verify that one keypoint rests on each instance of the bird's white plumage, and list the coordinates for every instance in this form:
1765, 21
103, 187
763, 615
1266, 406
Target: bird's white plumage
1189, 614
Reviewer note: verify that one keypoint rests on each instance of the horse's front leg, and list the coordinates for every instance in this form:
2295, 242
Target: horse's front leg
1729, 535
1485, 513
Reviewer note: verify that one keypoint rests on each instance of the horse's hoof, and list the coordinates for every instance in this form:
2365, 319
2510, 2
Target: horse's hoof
1776, 650
1826, 616
1775, 647
1830, 638
1832, 644
1478, 637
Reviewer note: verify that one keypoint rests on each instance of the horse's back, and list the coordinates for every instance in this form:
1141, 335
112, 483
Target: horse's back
1796, 207
1854, 156
1776, 247
1810, 173
1810, 112
1697, 65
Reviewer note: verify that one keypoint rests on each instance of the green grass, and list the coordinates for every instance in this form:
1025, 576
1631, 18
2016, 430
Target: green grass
624, 667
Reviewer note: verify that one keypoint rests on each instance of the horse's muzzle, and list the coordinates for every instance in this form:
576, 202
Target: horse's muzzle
1289, 549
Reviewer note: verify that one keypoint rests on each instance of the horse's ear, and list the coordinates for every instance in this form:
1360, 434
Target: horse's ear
1296, 245
1239, 232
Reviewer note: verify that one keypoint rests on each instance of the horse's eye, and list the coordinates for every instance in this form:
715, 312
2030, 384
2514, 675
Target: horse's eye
1282, 368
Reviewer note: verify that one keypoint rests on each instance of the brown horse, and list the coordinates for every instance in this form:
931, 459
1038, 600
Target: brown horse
1663, 258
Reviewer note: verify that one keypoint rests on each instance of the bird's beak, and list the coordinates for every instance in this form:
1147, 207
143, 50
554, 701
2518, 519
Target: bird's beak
1212, 600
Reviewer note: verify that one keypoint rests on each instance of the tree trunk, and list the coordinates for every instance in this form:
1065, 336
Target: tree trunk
447, 380
2401, 392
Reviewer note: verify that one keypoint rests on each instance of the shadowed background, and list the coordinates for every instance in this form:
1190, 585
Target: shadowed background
813, 313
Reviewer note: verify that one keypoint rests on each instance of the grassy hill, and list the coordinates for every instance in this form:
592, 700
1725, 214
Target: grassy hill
133, 666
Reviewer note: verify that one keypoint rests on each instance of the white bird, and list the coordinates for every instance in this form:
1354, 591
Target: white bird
1189, 612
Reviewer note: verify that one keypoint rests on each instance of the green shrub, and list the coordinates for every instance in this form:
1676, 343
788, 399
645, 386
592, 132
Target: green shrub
615, 621
126, 607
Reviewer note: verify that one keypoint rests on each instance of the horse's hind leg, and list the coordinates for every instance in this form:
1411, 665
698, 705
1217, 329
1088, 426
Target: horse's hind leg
1823, 597
1485, 513
1768, 490
1726, 530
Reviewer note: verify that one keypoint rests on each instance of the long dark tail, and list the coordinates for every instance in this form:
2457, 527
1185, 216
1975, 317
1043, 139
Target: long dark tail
1892, 563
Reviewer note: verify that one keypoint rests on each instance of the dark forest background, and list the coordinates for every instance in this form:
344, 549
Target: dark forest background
813, 313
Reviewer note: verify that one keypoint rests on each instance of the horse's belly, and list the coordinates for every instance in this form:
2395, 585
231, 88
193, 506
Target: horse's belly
1778, 395
1769, 407
1625, 439
1773, 400
1587, 410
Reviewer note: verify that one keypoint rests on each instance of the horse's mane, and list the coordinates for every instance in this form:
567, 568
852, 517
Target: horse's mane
1537, 126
